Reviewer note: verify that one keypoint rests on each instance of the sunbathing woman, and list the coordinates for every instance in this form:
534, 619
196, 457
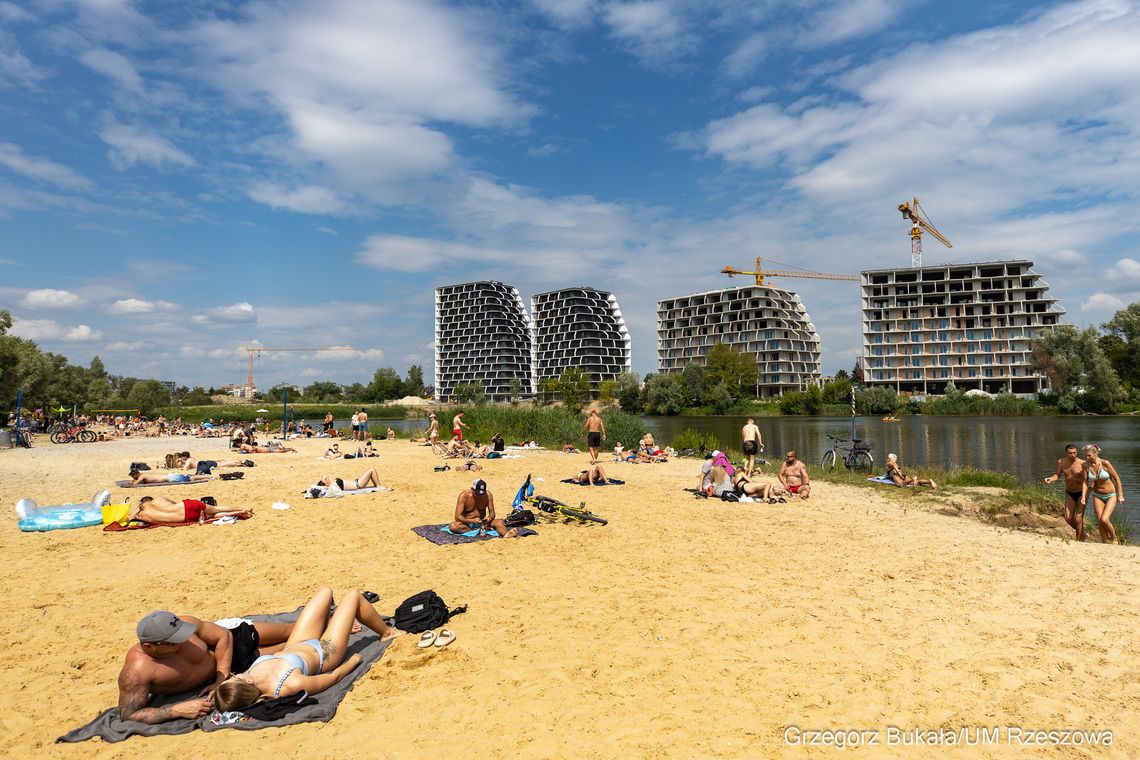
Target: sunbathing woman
368, 480
156, 509
332, 452
746, 487
273, 448
314, 656
895, 474
591, 476
140, 479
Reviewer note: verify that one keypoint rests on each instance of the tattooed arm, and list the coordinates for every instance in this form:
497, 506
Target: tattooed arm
133, 696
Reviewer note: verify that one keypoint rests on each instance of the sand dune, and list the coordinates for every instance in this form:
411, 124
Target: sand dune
683, 628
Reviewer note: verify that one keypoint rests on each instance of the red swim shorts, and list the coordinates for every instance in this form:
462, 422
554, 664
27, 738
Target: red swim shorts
193, 509
458, 433
796, 488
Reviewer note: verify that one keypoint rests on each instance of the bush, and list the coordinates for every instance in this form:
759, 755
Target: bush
876, 400
691, 439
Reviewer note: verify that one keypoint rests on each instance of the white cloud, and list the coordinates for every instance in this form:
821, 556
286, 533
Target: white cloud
653, 29
50, 298
310, 199
137, 345
848, 19
1098, 302
13, 13
131, 145
15, 68
747, 56
13, 158
412, 254
139, 306
568, 13
49, 329
115, 66
234, 314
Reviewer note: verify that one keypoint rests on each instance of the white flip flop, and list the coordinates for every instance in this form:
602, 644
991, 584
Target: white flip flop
427, 638
445, 637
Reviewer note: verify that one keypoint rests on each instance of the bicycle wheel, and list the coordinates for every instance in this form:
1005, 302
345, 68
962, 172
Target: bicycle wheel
86, 436
58, 437
546, 504
863, 461
582, 515
25, 439
828, 461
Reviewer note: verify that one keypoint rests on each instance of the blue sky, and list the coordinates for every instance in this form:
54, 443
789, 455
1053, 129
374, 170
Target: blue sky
180, 180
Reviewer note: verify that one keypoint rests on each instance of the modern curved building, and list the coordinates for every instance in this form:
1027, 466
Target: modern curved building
482, 336
769, 323
579, 327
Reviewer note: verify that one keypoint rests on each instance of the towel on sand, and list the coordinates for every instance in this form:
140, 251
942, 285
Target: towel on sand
116, 527
132, 484
336, 493
438, 534
609, 482
882, 479
108, 726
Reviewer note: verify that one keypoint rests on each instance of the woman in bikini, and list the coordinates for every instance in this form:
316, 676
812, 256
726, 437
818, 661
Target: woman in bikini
368, 480
1103, 484
896, 475
313, 658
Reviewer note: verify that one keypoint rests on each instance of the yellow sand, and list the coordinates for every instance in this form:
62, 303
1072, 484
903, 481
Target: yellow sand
683, 628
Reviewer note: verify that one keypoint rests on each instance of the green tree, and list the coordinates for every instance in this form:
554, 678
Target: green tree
148, 395
720, 399
574, 387
356, 392
386, 384
277, 394
515, 390
547, 390
323, 391
607, 391
1078, 369
1125, 355
414, 382
693, 380
22, 366
736, 369
877, 399
842, 375
469, 393
664, 394
838, 391
629, 392
197, 397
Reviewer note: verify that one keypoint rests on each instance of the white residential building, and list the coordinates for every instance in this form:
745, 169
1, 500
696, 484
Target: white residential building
769, 323
967, 323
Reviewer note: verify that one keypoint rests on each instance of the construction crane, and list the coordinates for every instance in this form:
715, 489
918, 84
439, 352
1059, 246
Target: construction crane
760, 274
916, 215
255, 350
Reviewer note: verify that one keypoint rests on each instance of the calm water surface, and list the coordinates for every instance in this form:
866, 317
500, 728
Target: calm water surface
1027, 447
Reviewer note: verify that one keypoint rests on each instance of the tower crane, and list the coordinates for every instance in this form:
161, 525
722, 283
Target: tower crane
914, 213
760, 274
255, 350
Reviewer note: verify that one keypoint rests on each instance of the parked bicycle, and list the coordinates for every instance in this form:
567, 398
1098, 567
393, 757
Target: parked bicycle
552, 506
74, 434
857, 456
23, 435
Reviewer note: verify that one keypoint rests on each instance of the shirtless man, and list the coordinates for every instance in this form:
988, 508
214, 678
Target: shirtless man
158, 509
176, 654
751, 444
1072, 469
362, 418
475, 509
433, 429
141, 478
591, 476
595, 432
457, 425
794, 476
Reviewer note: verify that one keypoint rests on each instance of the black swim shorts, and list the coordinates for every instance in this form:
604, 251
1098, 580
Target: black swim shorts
246, 642
749, 448
593, 439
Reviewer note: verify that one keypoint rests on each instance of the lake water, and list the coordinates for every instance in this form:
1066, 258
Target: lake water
1027, 447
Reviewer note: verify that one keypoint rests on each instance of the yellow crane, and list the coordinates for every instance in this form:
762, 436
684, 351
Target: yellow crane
760, 274
914, 213
255, 350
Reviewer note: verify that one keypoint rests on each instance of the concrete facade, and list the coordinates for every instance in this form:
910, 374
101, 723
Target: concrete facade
482, 336
769, 323
579, 327
969, 323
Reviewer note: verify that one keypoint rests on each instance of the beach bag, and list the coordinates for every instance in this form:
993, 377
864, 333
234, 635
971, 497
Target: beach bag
423, 612
519, 518
730, 496
116, 513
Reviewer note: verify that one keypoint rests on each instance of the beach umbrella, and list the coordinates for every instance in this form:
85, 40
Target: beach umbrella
259, 411
61, 409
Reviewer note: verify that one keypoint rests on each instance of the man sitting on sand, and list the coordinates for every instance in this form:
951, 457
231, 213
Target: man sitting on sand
475, 510
176, 654
145, 478
591, 476
794, 475
158, 509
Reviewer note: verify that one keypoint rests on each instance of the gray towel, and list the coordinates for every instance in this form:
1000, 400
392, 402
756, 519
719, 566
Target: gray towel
108, 726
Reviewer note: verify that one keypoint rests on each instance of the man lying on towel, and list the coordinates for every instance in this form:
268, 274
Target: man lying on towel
475, 510
176, 654
157, 509
146, 478
591, 476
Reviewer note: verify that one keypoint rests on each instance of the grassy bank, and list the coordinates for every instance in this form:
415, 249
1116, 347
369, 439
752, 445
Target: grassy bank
549, 426
312, 413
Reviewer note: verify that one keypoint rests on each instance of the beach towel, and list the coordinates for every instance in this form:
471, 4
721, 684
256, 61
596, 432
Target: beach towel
526, 448
117, 527
439, 534
882, 479
609, 482
132, 484
336, 493
323, 707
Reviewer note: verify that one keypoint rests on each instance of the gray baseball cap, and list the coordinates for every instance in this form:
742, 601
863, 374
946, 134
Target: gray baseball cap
164, 626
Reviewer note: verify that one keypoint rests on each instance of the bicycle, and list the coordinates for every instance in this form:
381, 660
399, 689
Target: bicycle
553, 506
854, 457
71, 435
23, 436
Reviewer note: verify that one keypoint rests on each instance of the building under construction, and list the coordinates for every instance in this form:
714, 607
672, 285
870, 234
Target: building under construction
768, 323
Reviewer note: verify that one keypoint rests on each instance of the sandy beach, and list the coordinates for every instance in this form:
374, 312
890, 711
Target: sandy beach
683, 628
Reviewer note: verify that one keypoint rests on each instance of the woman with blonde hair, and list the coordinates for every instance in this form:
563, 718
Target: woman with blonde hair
1103, 484
312, 660
896, 474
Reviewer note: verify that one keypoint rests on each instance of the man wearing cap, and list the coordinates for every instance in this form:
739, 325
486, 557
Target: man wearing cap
475, 510
176, 654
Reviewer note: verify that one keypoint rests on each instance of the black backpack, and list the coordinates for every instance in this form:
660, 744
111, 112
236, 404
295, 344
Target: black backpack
423, 612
